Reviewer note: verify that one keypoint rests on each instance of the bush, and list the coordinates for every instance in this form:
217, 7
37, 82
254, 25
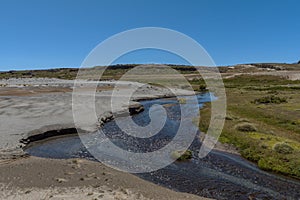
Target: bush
202, 88
263, 164
181, 155
245, 127
182, 100
270, 99
283, 148
252, 154
228, 117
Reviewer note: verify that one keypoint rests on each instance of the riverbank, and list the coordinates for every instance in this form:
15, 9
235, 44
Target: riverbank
29, 108
219, 175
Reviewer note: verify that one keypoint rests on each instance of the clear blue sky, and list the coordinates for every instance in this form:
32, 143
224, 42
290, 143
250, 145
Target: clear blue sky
60, 33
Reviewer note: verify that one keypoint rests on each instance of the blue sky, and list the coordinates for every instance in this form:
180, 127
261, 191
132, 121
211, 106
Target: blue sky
60, 33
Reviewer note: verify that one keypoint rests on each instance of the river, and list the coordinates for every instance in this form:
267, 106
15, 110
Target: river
219, 175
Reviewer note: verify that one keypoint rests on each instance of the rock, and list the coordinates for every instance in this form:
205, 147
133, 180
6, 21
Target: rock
106, 117
61, 180
77, 161
69, 173
135, 109
91, 175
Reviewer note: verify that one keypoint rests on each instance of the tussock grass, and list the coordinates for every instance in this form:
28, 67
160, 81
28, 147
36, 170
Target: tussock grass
245, 127
283, 148
182, 100
270, 99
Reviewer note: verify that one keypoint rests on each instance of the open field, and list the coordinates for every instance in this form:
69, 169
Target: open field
263, 121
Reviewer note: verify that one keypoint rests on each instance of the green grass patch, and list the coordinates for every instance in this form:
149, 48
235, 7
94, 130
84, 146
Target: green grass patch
274, 144
270, 99
181, 155
245, 127
182, 100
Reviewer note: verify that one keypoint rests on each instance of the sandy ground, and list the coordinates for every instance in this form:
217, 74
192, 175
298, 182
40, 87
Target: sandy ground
33, 106
48, 106
38, 178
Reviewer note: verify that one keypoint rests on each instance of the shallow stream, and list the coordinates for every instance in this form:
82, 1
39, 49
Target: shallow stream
219, 175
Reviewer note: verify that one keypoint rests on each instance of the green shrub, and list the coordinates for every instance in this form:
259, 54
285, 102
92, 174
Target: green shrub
263, 164
182, 100
245, 127
202, 88
283, 148
270, 99
252, 154
181, 155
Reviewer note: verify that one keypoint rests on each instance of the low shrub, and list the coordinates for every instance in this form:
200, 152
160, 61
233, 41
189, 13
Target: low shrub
181, 155
245, 127
182, 100
270, 99
202, 88
263, 164
283, 148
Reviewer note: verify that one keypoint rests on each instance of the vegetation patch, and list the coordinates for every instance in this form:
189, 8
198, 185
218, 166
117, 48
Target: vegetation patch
182, 100
181, 155
283, 148
270, 141
275, 143
245, 127
257, 81
270, 99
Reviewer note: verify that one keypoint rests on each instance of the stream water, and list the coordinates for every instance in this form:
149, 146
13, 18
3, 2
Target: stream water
219, 175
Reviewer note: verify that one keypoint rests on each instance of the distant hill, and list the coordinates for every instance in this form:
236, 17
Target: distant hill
118, 70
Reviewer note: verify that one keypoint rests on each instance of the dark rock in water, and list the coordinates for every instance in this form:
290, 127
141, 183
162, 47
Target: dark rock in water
132, 110
135, 109
182, 155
